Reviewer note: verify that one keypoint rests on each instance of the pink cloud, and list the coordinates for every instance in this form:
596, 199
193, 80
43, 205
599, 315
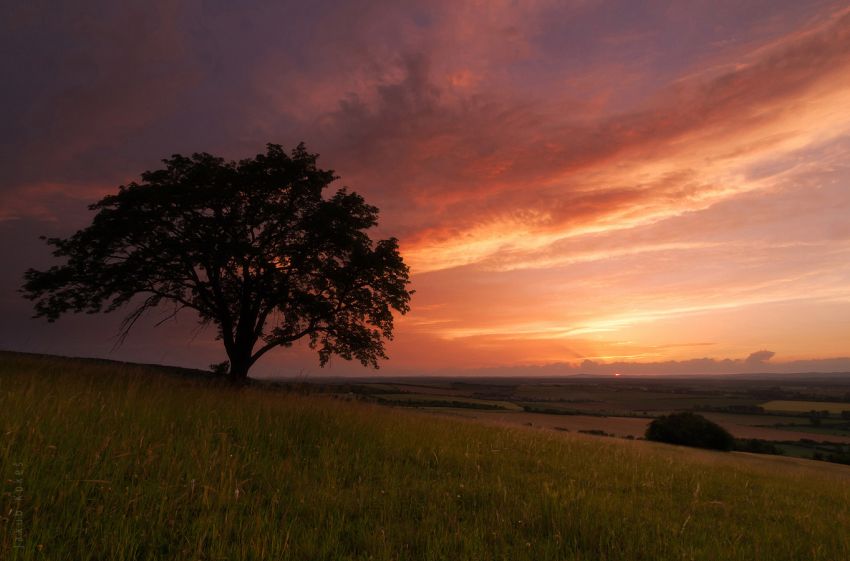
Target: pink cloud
564, 183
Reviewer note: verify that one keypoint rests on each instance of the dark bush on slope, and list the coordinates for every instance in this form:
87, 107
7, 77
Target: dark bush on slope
689, 429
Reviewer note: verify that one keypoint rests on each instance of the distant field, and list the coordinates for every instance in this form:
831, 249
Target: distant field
612, 399
126, 462
817, 433
806, 406
433, 400
624, 407
636, 427
618, 426
753, 420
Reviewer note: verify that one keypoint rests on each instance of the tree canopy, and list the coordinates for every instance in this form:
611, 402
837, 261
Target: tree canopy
253, 247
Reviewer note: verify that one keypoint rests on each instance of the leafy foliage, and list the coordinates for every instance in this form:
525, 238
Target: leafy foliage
252, 247
689, 429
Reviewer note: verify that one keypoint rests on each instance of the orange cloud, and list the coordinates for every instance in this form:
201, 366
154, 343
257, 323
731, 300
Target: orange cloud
569, 180
692, 151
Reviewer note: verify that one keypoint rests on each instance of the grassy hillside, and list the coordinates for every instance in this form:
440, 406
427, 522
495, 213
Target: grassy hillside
125, 462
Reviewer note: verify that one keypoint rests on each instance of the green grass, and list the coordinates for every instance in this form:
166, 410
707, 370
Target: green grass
125, 462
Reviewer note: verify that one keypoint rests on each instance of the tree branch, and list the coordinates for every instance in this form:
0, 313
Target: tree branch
281, 341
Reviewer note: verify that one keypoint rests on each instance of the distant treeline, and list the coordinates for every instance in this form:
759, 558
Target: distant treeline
785, 394
553, 411
439, 403
745, 409
587, 413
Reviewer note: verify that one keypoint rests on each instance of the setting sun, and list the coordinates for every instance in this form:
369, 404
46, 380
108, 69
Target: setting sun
540, 280
641, 199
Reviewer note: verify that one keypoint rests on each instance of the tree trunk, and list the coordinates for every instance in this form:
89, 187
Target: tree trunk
240, 362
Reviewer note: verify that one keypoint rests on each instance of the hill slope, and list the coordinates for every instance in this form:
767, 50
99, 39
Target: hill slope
131, 462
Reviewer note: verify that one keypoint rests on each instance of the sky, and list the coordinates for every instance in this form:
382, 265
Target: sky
577, 186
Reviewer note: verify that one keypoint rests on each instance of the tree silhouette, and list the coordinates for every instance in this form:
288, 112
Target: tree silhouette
689, 429
252, 247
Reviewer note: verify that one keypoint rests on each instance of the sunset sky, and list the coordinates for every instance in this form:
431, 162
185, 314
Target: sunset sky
578, 186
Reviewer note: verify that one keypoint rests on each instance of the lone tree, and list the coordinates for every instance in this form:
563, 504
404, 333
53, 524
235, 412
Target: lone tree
252, 247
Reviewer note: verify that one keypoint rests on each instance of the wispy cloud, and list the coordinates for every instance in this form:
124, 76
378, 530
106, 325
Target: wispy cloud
568, 180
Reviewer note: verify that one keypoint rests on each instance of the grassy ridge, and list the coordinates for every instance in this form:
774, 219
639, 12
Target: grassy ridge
129, 463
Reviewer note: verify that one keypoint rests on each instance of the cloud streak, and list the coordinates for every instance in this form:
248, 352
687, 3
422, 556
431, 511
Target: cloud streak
569, 181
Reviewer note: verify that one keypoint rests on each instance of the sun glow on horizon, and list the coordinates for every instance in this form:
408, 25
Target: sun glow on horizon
572, 185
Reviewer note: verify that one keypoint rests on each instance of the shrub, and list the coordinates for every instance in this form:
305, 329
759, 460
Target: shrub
689, 429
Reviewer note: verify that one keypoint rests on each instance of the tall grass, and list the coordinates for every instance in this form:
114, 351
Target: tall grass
124, 462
